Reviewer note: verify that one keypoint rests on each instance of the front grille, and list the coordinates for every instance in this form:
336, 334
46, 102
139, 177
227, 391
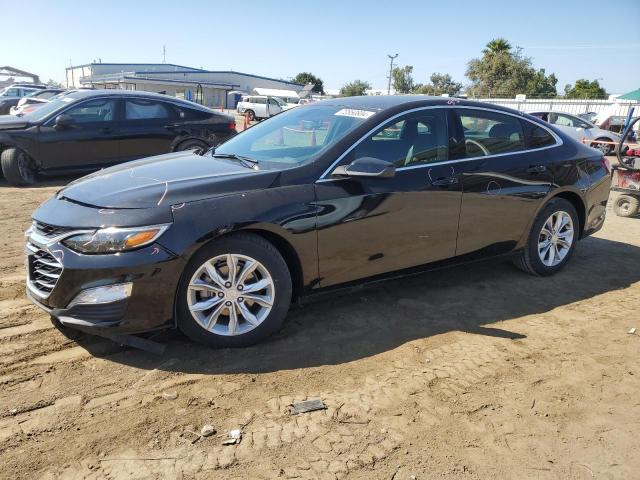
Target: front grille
43, 270
49, 230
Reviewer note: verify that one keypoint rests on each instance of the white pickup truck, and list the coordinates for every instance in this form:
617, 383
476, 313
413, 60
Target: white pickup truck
260, 106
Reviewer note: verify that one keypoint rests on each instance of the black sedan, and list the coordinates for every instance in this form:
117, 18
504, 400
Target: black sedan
91, 129
317, 197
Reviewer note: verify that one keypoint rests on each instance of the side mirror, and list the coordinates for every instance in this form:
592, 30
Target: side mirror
366, 167
63, 121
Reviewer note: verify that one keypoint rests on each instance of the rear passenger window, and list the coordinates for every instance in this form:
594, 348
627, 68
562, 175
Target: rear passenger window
145, 110
416, 139
490, 133
537, 137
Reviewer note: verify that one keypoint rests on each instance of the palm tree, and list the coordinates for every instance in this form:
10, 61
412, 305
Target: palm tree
497, 45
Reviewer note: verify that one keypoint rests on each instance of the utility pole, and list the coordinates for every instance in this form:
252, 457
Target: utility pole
164, 54
392, 58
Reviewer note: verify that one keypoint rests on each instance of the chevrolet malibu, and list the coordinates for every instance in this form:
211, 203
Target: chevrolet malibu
321, 196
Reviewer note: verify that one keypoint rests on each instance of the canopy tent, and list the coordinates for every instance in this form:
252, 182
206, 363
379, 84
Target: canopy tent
274, 92
633, 95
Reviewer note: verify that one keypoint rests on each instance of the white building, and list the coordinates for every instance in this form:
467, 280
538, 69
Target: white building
206, 87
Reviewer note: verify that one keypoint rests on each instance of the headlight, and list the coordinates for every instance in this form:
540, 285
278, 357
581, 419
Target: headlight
114, 239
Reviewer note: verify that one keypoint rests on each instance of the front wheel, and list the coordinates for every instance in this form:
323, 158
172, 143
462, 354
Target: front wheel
235, 292
17, 167
552, 239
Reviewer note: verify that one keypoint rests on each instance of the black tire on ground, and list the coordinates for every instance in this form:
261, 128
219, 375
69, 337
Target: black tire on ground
259, 249
626, 206
251, 114
193, 144
17, 167
605, 148
529, 261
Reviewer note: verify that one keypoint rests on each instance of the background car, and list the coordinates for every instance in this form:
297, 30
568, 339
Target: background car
258, 107
91, 129
11, 95
581, 129
37, 97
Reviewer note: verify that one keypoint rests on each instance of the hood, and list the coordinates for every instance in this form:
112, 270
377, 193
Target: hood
11, 122
164, 180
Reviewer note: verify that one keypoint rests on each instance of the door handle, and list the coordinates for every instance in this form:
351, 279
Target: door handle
443, 182
536, 169
106, 130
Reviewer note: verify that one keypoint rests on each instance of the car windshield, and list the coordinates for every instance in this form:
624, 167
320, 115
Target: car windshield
293, 137
48, 108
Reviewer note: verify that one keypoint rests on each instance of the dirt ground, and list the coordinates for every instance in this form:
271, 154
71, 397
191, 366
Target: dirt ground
475, 372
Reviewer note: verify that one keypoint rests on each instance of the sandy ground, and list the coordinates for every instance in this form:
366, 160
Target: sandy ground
475, 372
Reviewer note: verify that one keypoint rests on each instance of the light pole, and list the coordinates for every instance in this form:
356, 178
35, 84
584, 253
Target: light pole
392, 58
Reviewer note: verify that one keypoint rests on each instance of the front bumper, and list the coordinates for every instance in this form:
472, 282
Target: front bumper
153, 271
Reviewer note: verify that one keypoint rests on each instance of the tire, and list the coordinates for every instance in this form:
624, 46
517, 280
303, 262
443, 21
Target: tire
194, 144
530, 259
17, 167
605, 148
251, 114
194, 314
626, 206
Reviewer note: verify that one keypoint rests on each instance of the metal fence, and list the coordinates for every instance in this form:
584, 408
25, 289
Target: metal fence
574, 107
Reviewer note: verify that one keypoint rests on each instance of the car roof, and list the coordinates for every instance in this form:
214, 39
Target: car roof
83, 94
384, 102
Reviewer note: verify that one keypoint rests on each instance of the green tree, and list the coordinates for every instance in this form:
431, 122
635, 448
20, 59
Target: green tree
402, 80
505, 72
585, 89
53, 84
496, 46
305, 78
355, 88
441, 83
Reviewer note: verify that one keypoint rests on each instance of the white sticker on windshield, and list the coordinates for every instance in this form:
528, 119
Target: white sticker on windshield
350, 112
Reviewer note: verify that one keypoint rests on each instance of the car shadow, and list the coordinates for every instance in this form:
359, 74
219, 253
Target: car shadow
371, 320
46, 182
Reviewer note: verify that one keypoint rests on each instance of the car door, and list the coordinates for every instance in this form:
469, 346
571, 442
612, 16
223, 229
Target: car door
369, 226
504, 163
146, 128
89, 141
273, 107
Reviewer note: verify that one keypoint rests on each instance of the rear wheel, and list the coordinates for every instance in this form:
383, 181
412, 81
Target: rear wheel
234, 292
18, 167
552, 239
605, 148
626, 206
251, 114
198, 146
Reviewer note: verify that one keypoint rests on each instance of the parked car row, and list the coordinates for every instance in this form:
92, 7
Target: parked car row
11, 95
259, 107
90, 129
581, 129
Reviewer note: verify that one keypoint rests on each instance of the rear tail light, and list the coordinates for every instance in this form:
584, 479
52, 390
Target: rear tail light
606, 164
232, 126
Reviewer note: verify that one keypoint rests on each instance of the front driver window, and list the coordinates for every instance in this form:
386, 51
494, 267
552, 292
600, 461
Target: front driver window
414, 139
93, 111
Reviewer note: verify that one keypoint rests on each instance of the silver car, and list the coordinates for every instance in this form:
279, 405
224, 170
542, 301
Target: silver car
581, 130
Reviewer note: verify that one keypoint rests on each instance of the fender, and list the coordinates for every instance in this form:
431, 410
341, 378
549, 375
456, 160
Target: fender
287, 218
7, 141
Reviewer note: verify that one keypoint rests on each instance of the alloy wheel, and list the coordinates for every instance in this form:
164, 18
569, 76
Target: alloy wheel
230, 294
555, 238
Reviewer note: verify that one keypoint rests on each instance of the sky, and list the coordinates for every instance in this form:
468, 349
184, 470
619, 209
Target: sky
339, 41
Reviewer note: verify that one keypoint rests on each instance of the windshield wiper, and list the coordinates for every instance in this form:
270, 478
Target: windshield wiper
246, 161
